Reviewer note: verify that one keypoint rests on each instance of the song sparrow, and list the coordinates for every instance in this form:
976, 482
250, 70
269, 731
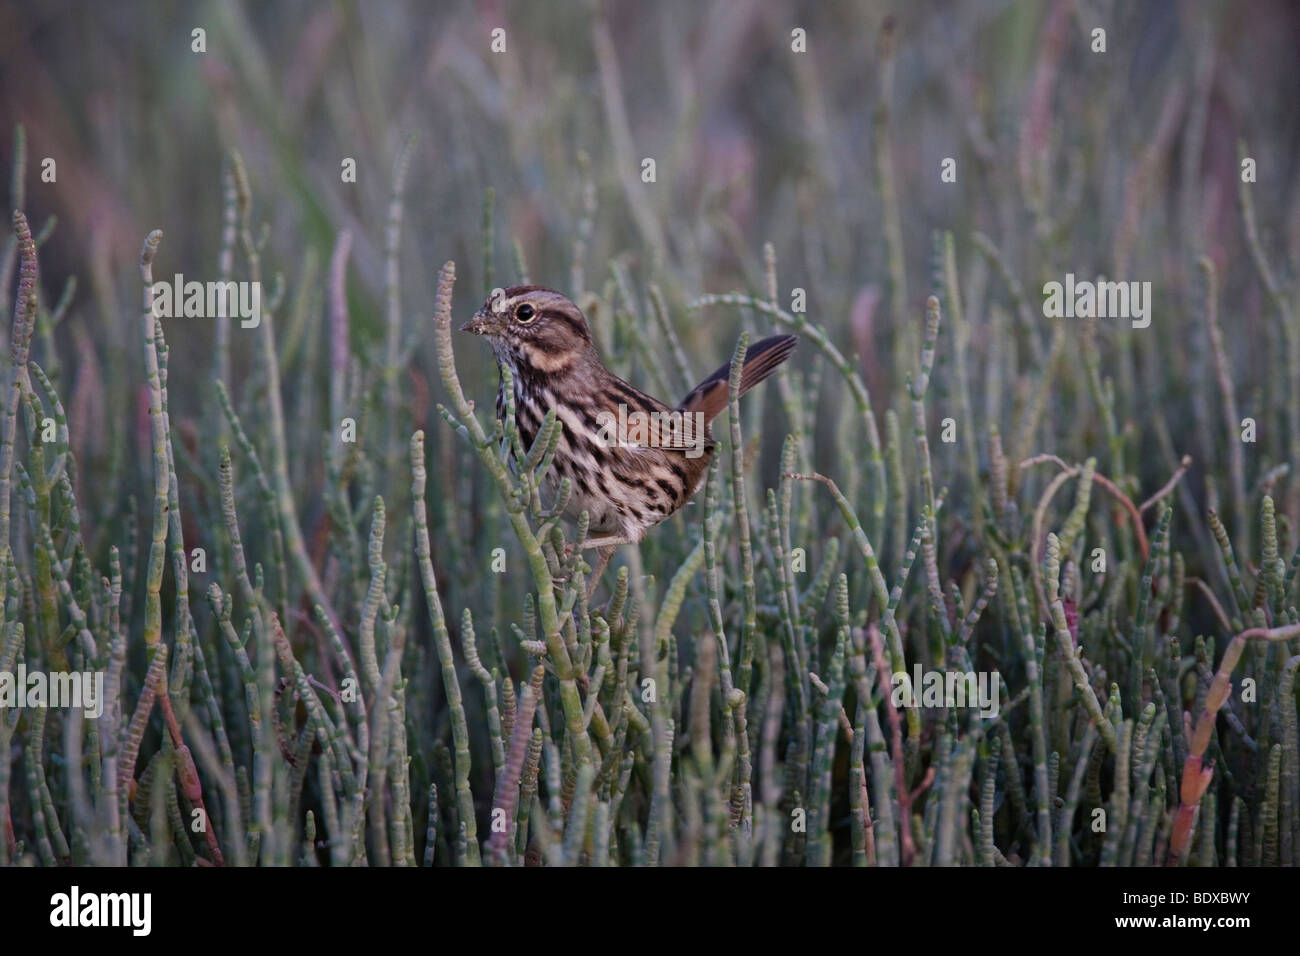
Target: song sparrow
631, 460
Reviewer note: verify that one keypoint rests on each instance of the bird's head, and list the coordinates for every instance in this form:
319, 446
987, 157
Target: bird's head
534, 323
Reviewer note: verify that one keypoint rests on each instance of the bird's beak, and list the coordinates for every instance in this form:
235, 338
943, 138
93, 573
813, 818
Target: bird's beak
478, 324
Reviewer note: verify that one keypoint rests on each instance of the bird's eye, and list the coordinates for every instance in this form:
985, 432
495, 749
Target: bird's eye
525, 314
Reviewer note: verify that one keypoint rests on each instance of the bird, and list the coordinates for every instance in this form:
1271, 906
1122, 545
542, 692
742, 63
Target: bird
632, 461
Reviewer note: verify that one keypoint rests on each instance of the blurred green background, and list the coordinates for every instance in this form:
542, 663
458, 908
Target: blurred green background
752, 142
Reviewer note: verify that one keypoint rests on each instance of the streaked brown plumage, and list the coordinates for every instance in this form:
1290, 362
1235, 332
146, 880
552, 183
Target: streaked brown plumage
626, 488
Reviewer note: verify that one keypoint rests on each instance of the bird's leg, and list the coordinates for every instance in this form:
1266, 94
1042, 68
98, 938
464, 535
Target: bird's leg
605, 547
602, 561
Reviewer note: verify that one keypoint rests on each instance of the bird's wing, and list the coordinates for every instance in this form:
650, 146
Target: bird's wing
646, 424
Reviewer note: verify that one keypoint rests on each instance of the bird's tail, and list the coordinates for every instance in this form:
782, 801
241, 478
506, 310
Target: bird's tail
761, 360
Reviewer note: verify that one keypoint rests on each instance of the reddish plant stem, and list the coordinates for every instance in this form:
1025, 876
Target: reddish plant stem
1196, 776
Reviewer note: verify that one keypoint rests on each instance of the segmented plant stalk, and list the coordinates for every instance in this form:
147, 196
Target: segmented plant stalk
442, 642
